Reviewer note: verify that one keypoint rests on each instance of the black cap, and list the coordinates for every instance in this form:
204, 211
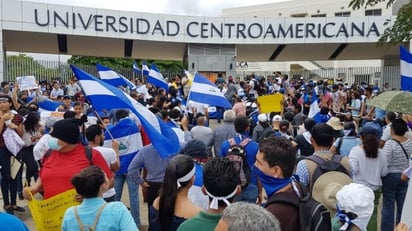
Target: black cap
195, 148
66, 130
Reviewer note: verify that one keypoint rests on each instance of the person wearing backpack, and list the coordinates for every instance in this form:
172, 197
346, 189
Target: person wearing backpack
242, 151
322, 160
94, 213
288, 200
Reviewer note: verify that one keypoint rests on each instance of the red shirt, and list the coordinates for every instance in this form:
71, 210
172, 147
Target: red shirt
59, 168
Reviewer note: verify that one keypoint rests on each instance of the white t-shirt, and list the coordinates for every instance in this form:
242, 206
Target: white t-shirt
56, 92
386, 133
41, 147
110, 156
198, 107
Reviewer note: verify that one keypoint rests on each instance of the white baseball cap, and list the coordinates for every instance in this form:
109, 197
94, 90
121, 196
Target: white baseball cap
277, 118
262, 118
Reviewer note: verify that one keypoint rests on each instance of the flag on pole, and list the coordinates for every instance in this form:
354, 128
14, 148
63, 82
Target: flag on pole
136, 68
314, 110
127, 134
406, 69
113, 78
156, 78
106, 97
145, 69
204, 91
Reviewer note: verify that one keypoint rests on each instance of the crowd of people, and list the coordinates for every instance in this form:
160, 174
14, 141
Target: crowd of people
231, 177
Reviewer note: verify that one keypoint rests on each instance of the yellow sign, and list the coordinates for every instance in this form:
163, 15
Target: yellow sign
270, 103
48, 214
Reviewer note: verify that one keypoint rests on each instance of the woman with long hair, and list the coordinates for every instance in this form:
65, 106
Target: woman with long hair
9, 120
32, 132
398, 153
368, 165
172, 207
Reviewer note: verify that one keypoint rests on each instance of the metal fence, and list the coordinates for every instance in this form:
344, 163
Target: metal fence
377, 75
48, 70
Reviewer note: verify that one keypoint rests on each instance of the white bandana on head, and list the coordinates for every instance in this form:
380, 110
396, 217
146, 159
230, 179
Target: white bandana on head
186, 177
215, 201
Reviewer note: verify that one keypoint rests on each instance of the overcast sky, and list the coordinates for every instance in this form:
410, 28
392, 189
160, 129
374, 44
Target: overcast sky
180, 7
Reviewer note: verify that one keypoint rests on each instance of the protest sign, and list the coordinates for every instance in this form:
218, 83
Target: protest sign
48, 214
270, 103
27, 83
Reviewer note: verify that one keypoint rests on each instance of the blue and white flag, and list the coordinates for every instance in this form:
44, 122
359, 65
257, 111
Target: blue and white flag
128, 135
204, 91
136, 68
113, 78
145, 69
156, 78
406, 69
105, 97
48, 105
314, 109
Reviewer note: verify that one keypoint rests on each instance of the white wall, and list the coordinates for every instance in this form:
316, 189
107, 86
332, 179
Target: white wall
309, 7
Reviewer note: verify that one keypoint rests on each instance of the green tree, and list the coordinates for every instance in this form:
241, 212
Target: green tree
401, 29
22, 65
122, 63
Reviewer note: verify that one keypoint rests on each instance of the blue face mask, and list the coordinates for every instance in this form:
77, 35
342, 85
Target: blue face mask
52, 142
271, 184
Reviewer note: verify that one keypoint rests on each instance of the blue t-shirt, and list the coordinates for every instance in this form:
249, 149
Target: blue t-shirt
155, 224
347, 144
251, 150
11, 223
198, 175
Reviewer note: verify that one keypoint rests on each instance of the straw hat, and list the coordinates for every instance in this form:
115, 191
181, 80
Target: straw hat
326, 186
335, 123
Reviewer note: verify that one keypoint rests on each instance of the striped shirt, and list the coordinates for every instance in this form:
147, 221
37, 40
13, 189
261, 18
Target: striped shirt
397, 161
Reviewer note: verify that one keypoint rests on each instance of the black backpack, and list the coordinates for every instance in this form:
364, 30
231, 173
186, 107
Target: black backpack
237, 155
313, 216
324, 166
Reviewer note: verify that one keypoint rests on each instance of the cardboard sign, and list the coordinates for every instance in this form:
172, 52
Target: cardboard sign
270, 103
48, 214
27, 83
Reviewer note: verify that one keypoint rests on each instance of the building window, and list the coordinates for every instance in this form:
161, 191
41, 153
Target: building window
299, 15
318, 15
362, 78
342, 14
373, 12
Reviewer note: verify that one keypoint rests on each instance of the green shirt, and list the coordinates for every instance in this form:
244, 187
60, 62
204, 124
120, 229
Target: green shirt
336, 225
203, 221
